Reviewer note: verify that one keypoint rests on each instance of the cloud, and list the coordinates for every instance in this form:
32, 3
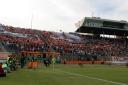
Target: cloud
57, 15
112, 9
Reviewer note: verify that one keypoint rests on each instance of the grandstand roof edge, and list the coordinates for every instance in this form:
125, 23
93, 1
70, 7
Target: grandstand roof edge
98, 18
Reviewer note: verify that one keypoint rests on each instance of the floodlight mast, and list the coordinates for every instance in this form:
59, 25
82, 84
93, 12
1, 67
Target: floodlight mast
31, 21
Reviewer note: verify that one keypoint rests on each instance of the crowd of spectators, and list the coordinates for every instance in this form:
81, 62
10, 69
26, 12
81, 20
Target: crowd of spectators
64, 43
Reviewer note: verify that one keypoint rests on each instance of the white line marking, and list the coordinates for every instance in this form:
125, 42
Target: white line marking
108, 81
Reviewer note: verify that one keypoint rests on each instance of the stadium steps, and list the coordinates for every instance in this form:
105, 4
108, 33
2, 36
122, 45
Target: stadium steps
4, 49
45, 39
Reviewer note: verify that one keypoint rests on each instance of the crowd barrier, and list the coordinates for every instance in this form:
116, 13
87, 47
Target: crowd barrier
33, 65
82, 62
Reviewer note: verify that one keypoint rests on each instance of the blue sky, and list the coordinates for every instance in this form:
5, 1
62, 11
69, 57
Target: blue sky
55, 15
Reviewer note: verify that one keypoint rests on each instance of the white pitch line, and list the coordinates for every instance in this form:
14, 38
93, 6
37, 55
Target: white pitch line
108, 81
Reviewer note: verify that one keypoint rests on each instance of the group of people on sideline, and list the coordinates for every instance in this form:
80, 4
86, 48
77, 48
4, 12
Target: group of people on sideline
8, 66
12, 64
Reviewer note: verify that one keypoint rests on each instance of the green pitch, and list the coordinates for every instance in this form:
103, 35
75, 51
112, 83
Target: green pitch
69, 75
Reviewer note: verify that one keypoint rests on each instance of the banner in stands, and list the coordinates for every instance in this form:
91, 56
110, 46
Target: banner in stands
4, 55
114, 58
119, 60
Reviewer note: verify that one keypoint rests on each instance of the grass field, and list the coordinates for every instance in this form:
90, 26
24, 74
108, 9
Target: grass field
69, 75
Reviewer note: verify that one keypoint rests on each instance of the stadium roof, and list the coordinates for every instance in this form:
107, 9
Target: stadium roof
103, 26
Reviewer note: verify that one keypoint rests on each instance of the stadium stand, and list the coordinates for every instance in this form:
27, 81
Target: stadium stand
71, 46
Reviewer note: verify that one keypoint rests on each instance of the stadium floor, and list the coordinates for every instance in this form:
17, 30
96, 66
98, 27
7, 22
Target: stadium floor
69, 75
